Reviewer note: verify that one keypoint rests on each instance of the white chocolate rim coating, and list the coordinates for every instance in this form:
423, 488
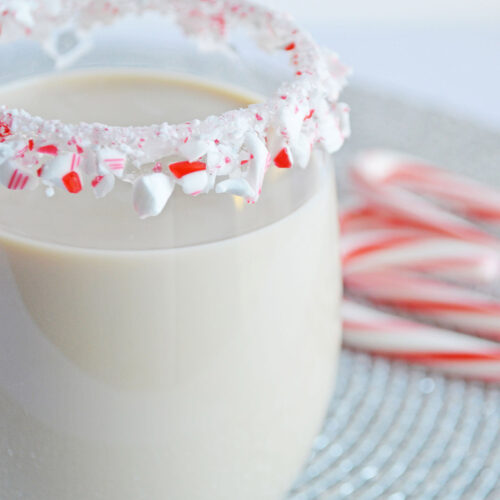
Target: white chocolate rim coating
229, 153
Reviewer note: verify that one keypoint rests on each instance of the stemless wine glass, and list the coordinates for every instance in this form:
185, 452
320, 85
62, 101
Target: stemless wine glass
189, 355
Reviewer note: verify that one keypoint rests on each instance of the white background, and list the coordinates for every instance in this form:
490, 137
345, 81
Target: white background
445, 53
437, 11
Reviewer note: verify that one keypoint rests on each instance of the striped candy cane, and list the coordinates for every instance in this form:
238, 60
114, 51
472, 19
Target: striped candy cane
443, 303
355, 217
378, 179
375, 249
397, 231
461, 194
392, 336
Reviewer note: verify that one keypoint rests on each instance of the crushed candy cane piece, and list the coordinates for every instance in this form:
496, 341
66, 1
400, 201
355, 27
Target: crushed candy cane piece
151, 193
72, 182
15, 178
194, 183
111, 160
49, 149
238, 187
103, 184
182, 168
283, 159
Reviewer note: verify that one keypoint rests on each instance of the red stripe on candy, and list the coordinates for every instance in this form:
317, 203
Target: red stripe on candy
18, 180
382, 245
97, 180
430, 306
182, 168
309, 116
444, 356
12, 179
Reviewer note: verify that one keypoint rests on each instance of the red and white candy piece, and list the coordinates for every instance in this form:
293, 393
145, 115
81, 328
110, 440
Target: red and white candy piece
151, 193
16, 178
460, 260
362, 216
192, 176
443, 303
195, 183
445, 350
220, 161
279, 149
103, 184
181, 168
63, 171
111, 160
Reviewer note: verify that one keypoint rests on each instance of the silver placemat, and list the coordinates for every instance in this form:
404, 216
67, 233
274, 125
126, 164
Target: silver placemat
395, 431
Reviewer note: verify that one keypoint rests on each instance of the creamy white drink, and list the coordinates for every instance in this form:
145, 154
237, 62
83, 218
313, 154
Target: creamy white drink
188, 356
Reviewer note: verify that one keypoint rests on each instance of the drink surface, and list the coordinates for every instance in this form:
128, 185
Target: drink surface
132, 97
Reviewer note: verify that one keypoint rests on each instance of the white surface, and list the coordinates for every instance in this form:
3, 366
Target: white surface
446, 12
450, 68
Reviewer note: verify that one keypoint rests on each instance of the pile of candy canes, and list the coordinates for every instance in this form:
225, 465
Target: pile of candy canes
409, 246
230, 153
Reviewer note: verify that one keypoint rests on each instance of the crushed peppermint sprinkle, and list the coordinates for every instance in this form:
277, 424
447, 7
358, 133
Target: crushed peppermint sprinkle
48, 150
4, 131
182, 168
72, 182
283, 159
229, 154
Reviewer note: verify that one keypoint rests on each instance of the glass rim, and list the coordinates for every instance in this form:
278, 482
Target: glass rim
238, 146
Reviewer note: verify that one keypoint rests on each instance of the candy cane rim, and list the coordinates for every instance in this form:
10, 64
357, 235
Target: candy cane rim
230, 153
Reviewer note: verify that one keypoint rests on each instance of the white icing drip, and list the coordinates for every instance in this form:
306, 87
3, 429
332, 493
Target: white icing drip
240, 144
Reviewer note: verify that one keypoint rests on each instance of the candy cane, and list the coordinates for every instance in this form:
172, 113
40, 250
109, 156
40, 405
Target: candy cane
394, 232
462, 194
358, 216
445, 304
449, 258
376, 175
445, 350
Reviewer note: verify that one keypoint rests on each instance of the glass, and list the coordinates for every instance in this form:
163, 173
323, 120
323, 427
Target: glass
186, 356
